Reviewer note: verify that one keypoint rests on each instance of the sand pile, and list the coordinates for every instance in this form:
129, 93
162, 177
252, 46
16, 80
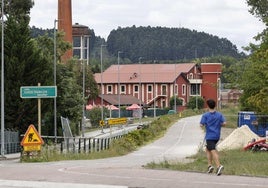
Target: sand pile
239, 138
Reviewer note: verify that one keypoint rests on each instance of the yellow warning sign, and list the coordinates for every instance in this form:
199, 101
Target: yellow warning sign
32, 148
117, 121
102, 123
31, 137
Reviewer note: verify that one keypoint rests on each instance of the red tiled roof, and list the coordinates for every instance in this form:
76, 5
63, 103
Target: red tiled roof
149, 73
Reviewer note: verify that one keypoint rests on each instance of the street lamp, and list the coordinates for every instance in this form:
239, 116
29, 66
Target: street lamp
84, 77
175, 92
154, 91
118, 88
140, 92
55, 80
2, 87
102, 88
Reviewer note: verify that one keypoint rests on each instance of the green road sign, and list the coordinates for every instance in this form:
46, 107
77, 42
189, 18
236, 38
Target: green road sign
38, 91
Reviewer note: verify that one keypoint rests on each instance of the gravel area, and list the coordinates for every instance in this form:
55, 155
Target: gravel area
226, 132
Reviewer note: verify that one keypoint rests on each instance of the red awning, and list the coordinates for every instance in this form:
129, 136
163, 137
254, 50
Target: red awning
133, 107
112, 107
89, 107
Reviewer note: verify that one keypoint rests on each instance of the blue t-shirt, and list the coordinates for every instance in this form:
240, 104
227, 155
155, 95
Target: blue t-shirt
213, 122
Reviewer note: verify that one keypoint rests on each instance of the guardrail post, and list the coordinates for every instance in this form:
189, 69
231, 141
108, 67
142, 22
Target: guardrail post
85, 140
79, 145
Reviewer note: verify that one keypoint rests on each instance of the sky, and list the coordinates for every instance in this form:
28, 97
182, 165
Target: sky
224, 18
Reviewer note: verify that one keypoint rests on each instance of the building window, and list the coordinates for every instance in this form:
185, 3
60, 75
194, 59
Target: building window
164, 89
195, 89
77, 53
80, 47
109, 89
77, 42
176, 89
190, 76
136, 88
85, 53
150, 88
183, 89
122, 89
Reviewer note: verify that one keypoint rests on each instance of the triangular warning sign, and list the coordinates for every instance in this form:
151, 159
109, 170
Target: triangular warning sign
31, 137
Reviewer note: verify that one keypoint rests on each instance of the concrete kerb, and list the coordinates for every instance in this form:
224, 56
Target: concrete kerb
10, 156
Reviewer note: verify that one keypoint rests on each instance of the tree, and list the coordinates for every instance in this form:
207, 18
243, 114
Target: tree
172, 101
254, 80
196, 103
69, 100
259, 9
29, 62
163, 43
25, 65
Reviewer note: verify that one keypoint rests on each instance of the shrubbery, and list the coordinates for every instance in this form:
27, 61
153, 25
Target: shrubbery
142, 136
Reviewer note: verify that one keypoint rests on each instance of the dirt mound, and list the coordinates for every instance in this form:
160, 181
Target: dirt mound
237, 139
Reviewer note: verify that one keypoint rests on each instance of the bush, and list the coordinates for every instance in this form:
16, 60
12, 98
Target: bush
196, 103
140, 137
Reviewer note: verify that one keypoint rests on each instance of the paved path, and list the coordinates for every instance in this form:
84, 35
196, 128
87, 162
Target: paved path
180, 141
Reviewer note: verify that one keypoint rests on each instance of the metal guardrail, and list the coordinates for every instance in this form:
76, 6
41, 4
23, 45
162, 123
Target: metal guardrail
90, 144
79, 145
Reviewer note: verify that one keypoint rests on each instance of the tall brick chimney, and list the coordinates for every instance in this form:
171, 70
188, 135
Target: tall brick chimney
65, 24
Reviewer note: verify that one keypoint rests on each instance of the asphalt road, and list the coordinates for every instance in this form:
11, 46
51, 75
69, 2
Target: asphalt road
181, 140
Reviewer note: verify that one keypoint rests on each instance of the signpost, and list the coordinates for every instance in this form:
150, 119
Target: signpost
29, 92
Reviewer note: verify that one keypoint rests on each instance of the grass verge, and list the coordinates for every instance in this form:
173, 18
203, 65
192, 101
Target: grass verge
236, 162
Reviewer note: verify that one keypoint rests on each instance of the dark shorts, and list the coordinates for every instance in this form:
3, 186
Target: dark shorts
211, 144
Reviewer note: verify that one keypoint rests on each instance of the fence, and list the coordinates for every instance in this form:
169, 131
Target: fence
11, 142
79, 145
256, 122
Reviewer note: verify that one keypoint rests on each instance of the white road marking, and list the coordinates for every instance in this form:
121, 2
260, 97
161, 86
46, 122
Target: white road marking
40, 184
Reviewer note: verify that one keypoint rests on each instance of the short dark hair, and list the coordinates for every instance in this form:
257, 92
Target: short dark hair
211, 103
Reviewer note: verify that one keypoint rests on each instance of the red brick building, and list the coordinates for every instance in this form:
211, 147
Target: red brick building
155, 84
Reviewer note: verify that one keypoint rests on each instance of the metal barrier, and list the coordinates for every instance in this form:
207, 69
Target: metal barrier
79, 145
12, 142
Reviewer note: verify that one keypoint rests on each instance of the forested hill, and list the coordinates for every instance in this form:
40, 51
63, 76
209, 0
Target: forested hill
161, 43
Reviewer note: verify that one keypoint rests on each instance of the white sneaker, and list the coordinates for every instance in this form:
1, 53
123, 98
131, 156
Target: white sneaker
219, 170
210, 169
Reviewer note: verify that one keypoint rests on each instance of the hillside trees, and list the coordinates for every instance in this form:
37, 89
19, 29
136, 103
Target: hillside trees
160, 43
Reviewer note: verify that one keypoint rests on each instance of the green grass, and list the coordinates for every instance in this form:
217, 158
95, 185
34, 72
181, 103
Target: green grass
236, 162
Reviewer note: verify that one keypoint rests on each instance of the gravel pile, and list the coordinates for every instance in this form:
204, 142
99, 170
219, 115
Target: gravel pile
239, 138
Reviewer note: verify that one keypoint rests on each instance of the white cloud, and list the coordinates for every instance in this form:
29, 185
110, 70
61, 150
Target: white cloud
225, 18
